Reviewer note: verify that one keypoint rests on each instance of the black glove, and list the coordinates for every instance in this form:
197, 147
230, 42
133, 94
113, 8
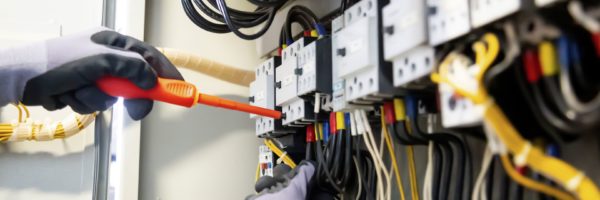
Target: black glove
76, 62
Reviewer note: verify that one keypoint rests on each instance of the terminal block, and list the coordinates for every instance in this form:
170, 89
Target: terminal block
266, 161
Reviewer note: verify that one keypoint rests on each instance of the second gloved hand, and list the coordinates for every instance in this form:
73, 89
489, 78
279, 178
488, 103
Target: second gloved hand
75, 63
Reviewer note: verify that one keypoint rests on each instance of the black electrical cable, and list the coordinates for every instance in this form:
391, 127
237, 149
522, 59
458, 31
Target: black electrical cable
438, 162
299, 14
231, 20
223, 8
447, 142
322, 167
347, 158
309, 153
245, 20
553, 126
336, 168
200, 21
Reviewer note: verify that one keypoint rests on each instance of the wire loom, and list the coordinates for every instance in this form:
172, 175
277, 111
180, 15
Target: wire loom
31, 130
564, 174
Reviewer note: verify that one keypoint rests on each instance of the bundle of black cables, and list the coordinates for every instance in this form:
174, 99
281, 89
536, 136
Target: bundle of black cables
231, 20
301, 15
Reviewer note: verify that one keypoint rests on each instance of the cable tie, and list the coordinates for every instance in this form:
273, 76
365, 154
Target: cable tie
573, 183
494, 144
70, 125
280, 159
520, 159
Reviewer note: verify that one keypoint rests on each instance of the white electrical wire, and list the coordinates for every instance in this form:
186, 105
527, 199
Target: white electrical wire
428, 173
589, 23
378, 157
361, 125
485, 165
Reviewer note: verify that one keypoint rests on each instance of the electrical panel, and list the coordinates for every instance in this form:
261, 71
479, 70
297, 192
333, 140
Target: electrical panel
447, 20
423, 72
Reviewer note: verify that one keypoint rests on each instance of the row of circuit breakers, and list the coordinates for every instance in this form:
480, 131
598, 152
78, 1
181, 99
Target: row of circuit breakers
371, 54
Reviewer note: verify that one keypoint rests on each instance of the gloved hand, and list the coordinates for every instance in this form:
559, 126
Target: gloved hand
75, 63
289, 184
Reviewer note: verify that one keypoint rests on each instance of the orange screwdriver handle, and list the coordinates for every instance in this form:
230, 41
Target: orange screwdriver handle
175, 92
233, 105
166, 90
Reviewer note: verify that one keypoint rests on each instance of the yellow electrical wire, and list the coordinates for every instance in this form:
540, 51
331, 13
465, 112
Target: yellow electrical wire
557, 170
390, 148
20, 112
412, 172
286, 158
531, 184
25, 109
257, 172
400, 115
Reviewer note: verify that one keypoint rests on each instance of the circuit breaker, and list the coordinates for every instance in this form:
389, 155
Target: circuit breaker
447, 20
405, 37
358, 55
262, 94
338, 98
404, 27
314, 67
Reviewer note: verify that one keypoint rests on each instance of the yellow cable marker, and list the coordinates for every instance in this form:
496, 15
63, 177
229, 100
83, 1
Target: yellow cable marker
548, 58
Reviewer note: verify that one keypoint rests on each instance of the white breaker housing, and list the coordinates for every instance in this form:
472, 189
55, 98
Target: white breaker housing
358, 55
305, 69
486, 11
262, 94
405, 36
447, 20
